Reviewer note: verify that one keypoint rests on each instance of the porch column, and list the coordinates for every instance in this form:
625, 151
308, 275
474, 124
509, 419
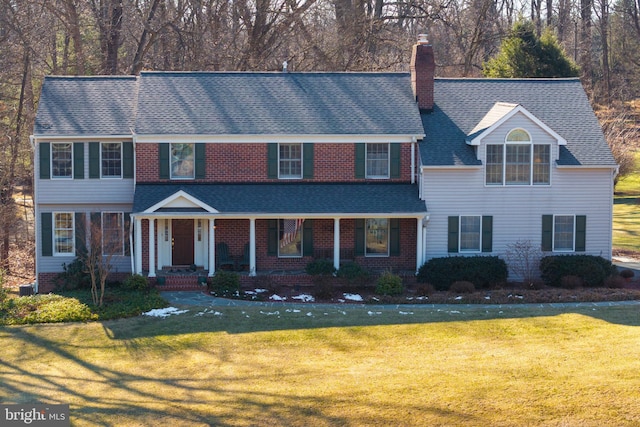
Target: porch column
138, 246
252, 246
152, 247
212, 247
419, 249
336, 243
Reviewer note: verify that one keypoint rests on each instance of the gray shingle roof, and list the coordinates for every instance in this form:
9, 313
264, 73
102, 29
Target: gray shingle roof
287, 198
86, 106
460, 104
230, 103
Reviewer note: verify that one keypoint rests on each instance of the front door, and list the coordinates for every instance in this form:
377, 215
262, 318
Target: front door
182, 247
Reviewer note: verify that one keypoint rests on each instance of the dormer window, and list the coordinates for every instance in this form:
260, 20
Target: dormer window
518, 161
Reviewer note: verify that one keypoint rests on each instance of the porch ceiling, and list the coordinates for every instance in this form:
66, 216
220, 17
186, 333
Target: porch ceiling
231, 199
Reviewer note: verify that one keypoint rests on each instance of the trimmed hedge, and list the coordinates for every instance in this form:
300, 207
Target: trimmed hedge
593, 270
482, 271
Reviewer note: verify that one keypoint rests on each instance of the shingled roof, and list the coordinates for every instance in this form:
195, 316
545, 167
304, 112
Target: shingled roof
460, 104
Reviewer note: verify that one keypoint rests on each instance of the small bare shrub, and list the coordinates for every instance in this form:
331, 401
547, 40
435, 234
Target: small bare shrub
571, 282
627, 273
323, 287
425, 289
523, 258
462, 287
614, 282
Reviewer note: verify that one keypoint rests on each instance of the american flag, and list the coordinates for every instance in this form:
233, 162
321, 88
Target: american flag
291, 227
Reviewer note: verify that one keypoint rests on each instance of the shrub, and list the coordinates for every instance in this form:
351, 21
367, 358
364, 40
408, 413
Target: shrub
4, 292
462, 287
614, 282
482, 271
352, 273
627, 273
425, 289
320, 267
225, 284
523, 259
74, 276
323, 287
136, 282
389, 284
571, 282
593, 270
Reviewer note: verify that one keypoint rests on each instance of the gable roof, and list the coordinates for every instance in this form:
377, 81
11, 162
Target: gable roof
235, 103
91, 106
561, 104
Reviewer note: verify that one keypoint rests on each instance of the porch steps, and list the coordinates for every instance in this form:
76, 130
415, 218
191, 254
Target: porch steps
181, 283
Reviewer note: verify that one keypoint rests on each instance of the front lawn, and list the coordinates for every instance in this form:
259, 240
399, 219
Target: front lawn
347, 366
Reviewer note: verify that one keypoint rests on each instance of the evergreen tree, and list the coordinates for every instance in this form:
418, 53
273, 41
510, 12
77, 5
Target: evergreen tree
524, 54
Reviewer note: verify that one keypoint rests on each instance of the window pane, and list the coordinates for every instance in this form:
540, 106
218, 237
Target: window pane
377, 160
470, 233
290, 160
290, 235
518, 135
61, 160
112, 233
377, 237
494, 165
111, 159
563, 233
63, 233
518, 164
541, 164
182, 161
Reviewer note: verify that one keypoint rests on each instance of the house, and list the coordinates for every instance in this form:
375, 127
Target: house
264, 172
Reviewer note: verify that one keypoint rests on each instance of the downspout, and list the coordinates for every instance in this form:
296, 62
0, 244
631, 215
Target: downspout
32, 141
413, 161
132, 249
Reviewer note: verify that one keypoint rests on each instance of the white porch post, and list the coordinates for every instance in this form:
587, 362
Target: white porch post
152, 247
138, 246
419, 250
336, 243
212, 247
252, 246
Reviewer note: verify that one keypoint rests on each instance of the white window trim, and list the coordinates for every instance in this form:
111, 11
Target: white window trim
573, 235
181, 178
366, 232
102, 214
281, 176
469, 251
73, 234
51, 161
366, 161
121, 162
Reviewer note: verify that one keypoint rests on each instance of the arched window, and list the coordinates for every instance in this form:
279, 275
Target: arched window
518, 161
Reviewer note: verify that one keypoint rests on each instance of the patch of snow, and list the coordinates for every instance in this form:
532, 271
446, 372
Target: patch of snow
288, 310
454, 312
304, 298
458, 298
405, 312
371, 313
164, 312
487, 297
270, 313
353, 297
309, 314
261, 291
277, 298
341, 300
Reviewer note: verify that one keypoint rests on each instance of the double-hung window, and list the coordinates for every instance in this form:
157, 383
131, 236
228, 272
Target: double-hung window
470, 232
290, 238
62, 160
63, 233
377, 160
182, 161
112, 233
377, 237
290, 161
111, 159
518, 161
563, 233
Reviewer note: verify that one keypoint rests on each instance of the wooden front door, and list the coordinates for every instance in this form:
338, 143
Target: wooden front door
182, 244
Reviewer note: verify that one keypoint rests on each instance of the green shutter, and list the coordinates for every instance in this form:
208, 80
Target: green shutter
127, 226
581, 233
360, 237
307, 237
360, 160
127, 159
394, 237
201, 161
46, 233
452, 245
94, 160
163, 158
45, 160
272, 237
395, 160
307, 160
547, 233
487, 233
81, 234
272, 160
78, 160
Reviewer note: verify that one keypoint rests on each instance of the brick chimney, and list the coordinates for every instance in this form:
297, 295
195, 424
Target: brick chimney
423, 67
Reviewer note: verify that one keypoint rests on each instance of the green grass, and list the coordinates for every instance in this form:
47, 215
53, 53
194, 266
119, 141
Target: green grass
324, 367
626, 213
